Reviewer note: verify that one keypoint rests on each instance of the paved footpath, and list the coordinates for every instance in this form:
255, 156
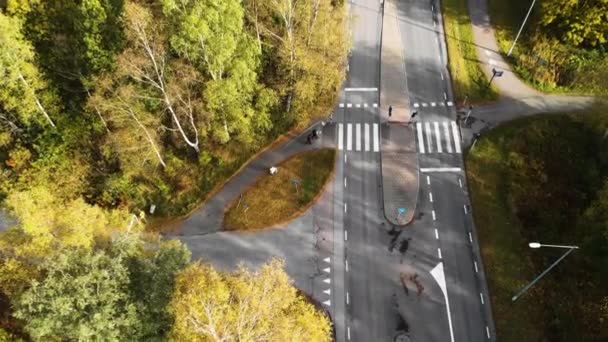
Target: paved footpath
517, 98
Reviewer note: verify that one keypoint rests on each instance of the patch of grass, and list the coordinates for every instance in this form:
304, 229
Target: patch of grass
467, 76
526, 185
273, 199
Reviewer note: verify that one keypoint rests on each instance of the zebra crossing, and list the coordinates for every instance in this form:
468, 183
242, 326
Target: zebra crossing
438, 137
433, 104
366, 137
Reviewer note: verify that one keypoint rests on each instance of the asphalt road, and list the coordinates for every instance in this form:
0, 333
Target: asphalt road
370, 264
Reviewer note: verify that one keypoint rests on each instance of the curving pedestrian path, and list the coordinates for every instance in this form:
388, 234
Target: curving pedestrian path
517, 99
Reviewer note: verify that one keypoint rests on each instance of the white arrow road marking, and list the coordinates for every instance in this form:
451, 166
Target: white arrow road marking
327, 292
439, 276
327, 281
327, 259
327, 302
327, 270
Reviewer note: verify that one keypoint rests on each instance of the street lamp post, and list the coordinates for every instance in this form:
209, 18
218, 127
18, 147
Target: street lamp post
495, 73
521, 28
539, 245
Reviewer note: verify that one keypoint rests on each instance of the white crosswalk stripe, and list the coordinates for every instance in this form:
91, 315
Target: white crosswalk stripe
433, 139
434, 104
366, 137
358, 142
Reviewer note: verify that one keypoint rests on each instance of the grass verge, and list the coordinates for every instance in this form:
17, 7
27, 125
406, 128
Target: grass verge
468, 80
527, 185
273, 199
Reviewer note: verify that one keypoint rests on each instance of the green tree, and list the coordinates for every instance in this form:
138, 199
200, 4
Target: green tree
152, 278
579, 23
211, 35
244, 306
23, 90
82, 297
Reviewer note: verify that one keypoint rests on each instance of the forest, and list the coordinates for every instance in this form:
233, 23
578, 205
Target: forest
109, 108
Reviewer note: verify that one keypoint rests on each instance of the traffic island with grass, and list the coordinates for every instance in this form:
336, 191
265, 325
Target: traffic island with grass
544, 179
282, 196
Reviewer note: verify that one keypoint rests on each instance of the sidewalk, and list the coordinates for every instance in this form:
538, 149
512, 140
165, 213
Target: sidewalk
209, 218
399, 160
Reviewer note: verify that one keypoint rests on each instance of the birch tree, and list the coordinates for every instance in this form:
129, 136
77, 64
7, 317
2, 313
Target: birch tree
149, 68
22, 87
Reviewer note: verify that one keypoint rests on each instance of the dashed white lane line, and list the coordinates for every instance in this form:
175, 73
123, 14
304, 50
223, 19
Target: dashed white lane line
465, 209
341, 105
433, 104
428, 180
346, 265
476, 269
347, 298
375, 105
488, 332
481, 297
345, 235
348, 333
442, 76
470, 237
431, 197
445, 96
434, 217
349, 105
344, 207
345, 159
365, 105
439, 252
436, 234
432, 8
460, 182
449, 103
416, 105
345, 182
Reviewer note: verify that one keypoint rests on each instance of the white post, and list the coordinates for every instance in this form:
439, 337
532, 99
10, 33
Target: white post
521, 28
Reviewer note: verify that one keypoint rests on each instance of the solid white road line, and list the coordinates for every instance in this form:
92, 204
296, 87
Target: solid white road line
349, 137
476, 269
427, 126
428, 180
360, 89
431, 197
358, 141
488, 332
465, 209
438, 137
456, 137
446, 134
436, 234
439, 252
341, 137
434, 217
439, 276
470, 237
481, 297
366, 129
376, 139
440, 169
420, 138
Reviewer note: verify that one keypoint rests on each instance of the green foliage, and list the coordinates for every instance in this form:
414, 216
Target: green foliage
578, 23
544, 179
83, 297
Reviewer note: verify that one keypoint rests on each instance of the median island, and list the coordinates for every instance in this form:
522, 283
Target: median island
282, 196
